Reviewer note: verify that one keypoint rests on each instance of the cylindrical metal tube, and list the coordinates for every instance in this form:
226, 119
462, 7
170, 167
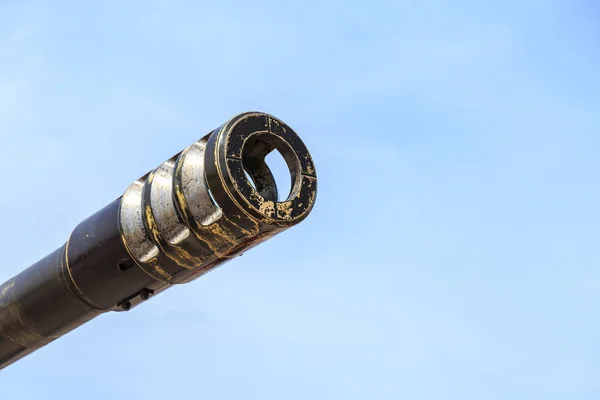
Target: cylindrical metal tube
199, 209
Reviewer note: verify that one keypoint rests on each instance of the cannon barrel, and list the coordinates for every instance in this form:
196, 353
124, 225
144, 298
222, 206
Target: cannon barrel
197, 210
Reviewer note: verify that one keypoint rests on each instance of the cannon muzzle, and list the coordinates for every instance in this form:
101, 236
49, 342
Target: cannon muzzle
197, 210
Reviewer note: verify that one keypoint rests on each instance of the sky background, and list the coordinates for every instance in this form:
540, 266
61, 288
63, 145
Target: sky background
453, 252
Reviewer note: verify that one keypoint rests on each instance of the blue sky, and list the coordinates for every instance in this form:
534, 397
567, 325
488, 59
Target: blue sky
453, 251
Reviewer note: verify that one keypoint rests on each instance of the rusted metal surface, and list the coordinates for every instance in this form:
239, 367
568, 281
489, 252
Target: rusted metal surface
191, 214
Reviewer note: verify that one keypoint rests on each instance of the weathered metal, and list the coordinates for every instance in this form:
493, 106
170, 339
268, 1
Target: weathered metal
191, 214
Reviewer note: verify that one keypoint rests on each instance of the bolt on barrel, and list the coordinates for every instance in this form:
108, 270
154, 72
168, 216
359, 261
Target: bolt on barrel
197, 210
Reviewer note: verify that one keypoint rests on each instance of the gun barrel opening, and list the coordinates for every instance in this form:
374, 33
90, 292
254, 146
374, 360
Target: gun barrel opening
254, 160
